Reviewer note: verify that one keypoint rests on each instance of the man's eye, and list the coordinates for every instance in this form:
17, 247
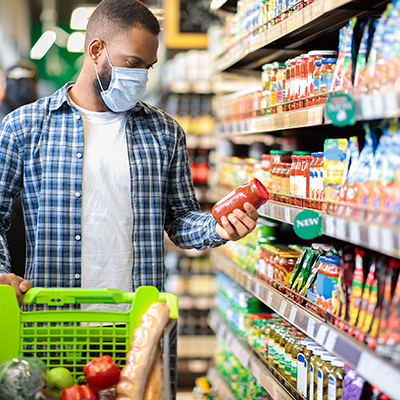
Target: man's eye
134, 64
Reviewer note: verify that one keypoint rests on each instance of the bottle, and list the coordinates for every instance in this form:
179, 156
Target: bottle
280, 83
274, 88
292, 179
298, 178
298, 348
304, 79
292, 84
315, 362
297, 82
335, 380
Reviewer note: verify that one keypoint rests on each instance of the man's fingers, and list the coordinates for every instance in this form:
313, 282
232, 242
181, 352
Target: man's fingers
251, 211
246, 220
24, 286
240, 228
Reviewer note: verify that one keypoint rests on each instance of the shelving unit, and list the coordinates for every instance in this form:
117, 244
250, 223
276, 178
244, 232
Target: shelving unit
248, 359
371, 366
218, 382
283, 40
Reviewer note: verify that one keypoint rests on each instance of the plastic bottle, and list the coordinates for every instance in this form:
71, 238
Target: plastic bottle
297, 82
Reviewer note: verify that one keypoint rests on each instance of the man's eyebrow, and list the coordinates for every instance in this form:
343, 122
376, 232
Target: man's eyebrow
140, 60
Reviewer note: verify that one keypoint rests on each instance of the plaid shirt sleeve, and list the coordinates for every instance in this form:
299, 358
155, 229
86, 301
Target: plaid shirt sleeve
186, 225
10, 186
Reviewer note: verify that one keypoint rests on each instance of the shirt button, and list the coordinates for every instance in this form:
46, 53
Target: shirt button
77, 194
79, 155
78, 237
77, 276
78, 116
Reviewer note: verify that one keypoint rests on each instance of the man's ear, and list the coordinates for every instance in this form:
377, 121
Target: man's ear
95, 49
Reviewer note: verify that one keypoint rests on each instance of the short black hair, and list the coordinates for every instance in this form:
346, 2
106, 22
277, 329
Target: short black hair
112, 17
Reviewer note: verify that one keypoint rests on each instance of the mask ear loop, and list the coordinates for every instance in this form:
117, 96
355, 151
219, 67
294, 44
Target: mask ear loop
95, 67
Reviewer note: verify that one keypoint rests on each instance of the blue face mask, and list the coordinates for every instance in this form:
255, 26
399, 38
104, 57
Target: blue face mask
127, 86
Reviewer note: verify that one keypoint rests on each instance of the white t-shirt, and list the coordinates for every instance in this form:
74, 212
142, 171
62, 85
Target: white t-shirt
107, 218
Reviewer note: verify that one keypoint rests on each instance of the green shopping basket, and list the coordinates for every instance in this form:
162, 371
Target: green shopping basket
71, 338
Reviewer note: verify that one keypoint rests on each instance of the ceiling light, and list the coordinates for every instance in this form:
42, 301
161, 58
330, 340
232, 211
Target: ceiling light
43, 45
76, 42
80, 17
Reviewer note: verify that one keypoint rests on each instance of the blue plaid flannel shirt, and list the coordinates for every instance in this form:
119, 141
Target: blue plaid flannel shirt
41, 157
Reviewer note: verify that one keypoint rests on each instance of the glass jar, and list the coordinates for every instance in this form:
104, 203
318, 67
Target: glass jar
322, 377
298, 82
287, 84
286, 265
303, 359
298, 348
280, 84
292, 179
320, 179
335, 380
253, 192
292, 84
315, 363
304, 79
286, 182
266, 165
326, 75
298, 178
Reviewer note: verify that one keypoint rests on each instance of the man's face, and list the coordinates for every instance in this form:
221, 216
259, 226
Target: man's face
135, 49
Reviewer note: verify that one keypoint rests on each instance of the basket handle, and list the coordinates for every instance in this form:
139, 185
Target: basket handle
172, 302
61, 296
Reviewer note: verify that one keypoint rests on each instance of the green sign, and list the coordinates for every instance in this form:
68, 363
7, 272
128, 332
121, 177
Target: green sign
340, 110
307, 225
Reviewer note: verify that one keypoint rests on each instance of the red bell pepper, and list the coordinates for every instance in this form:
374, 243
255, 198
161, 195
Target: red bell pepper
101, 373
77, 392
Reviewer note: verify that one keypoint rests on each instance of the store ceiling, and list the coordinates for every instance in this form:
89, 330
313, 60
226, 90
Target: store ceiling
65, 8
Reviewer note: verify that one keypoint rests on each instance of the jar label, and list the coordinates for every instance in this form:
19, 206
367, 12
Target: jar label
320, 385
226, 198
302, 369
288, 364
293, 375
311, 381
331, 387
301, 186
282, 357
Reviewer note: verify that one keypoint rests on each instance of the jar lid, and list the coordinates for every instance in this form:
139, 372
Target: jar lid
314, 154
337, 363
320, 352
327, 357
281, 152
302, 153
323, 53
329, 61
319, 154
317, 63
260, 189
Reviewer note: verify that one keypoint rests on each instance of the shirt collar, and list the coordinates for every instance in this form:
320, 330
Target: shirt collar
61, 96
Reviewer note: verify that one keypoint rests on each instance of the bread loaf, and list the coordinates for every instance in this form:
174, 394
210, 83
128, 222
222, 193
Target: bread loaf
155, 383
142, 352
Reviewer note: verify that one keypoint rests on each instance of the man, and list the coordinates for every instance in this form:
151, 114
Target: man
102, 174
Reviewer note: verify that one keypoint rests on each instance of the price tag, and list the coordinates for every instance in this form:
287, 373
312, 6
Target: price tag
228, 337
245, 359
341, 229
321, 335
269, 298
287, 215
391, 103
378, 106
255, 369
310, 327
329, 226
222, 331
272, 211
373, 237
275, 392
354, 232
331, 341
256, 289
387, 240
379, 372
292, 315
366, 108
282, 307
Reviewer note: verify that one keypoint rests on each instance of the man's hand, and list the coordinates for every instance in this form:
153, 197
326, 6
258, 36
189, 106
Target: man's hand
20, 285
238, 224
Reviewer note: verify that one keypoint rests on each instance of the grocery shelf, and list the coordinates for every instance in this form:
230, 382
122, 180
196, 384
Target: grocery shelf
248, 359
371, 366
318, 17
196, 346
365, 229
196, 302
303, 118
201, 141
217, 382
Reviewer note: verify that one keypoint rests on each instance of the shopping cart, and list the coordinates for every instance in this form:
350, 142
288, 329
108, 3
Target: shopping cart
71, 338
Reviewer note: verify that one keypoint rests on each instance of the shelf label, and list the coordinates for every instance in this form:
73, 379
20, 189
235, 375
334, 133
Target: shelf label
269, 298
387, 240
307, 224
331, 341
340, 109
275, 392
373, 237
292, 315
354, 232
379, 373
256, 288
341, 229
330, 226
287, 215
311, 327
321, 335
282, 308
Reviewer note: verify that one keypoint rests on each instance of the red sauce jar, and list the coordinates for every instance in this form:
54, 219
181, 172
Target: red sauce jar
253, 192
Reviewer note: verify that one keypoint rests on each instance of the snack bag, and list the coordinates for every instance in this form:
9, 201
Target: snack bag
337, 75
357, 288
363, 53
346, 79
335, 151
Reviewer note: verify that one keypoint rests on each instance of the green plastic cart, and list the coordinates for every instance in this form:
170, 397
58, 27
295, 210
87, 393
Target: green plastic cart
71, 338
